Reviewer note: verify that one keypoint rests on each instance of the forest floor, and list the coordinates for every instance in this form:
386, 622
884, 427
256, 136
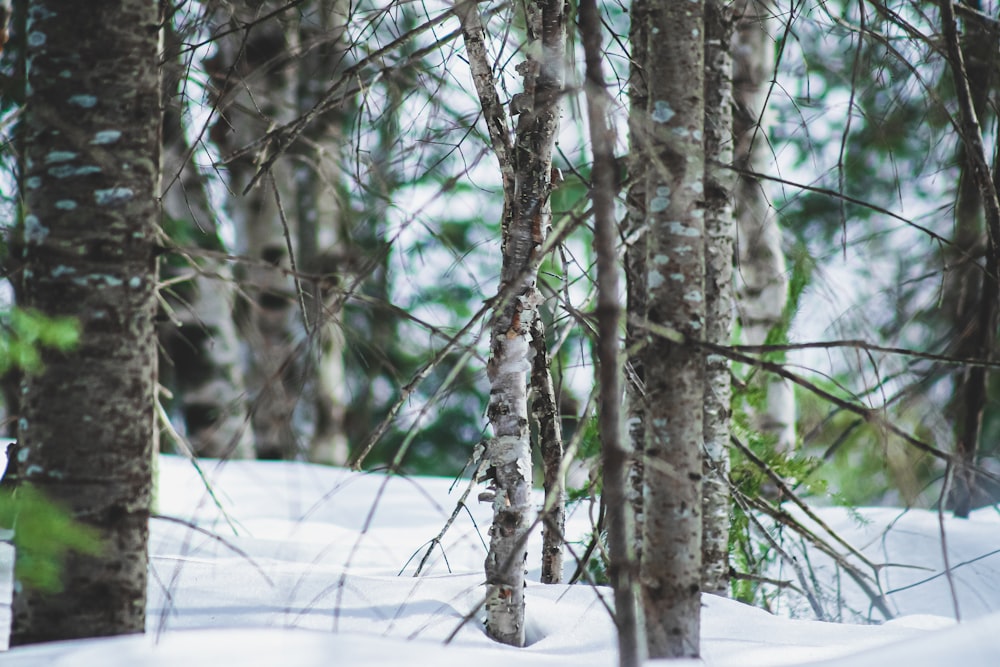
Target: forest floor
299, 565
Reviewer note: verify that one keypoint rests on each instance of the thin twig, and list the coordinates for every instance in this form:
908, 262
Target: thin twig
436, 541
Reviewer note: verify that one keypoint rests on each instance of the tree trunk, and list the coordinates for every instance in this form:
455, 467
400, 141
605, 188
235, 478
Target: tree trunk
719, 229
198, 340
13, 255
674, 372
526, 169
545, 411
86, 428
623, 566
321, 237
288, 224
970, 290
253, 81
761, 280
635, 261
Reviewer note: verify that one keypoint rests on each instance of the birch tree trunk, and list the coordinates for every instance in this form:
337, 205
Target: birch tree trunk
92, 173
545, 411
254, 85
526, 168
321, 237
761, 278
674, 372
288, 225
201, 365
719, 230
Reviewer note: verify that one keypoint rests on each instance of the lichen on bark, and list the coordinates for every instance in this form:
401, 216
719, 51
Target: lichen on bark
86, 428
670, 570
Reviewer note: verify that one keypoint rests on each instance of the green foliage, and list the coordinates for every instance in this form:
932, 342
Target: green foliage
590, 451
570, 194
43, 533
859, 462
592, 565
750, 555
801, 266
23, 333
597, 566
187, 233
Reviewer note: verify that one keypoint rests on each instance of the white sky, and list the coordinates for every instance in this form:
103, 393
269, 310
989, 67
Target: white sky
323, 590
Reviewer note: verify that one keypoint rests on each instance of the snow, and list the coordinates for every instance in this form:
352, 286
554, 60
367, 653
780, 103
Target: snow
311, 565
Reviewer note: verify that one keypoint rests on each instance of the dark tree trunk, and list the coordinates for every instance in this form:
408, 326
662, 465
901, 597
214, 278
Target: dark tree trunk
86, 429
623, 567
545, 411
971, 293
674, 371
635, 261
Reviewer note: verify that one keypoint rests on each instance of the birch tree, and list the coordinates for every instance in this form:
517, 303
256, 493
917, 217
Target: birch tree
201, 367
674, 370
526, 168
86, 426
761, 278
719, 228
269, 68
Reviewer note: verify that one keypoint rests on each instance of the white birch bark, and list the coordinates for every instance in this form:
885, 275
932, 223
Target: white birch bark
321, 237
287, 225
202, 368
719, 231
526, 168
761, 275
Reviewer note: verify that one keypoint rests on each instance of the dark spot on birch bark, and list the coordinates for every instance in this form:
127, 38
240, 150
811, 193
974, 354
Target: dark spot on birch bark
198, 416
272, 301
506, 523
272, 254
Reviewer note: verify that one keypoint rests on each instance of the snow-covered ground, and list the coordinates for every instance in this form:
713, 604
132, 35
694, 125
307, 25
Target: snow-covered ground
314, 566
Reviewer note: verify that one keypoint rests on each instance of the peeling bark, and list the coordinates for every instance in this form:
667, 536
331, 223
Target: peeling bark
91, 184
526, 167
